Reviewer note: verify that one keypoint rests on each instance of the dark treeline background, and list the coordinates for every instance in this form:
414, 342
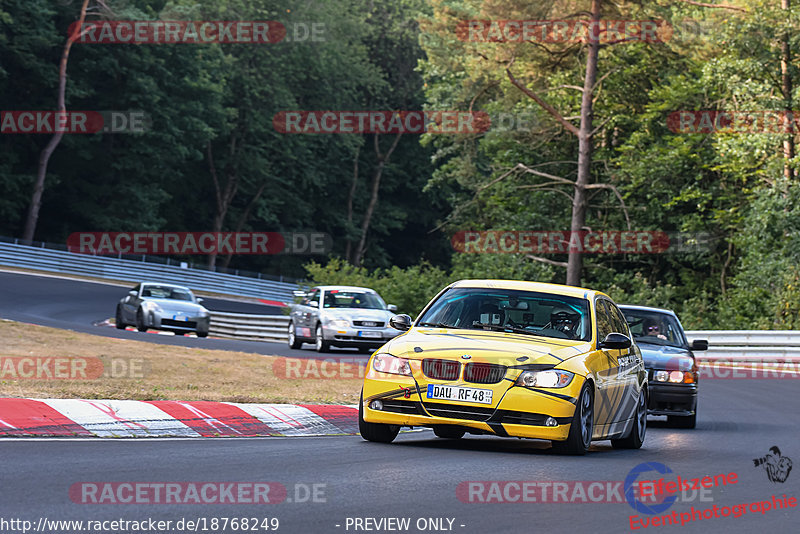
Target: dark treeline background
212, 160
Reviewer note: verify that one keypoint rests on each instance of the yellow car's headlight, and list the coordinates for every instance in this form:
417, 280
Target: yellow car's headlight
551, 378
386, 363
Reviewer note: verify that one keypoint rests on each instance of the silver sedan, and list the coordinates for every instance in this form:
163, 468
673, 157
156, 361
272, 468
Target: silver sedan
341, 316
163, 307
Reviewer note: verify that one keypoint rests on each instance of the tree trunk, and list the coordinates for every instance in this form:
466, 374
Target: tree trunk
373, 200
350, 197
788, 120
223, 196
575, 260
243, 219
44, 157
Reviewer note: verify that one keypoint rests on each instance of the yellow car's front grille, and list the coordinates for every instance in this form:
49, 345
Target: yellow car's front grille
484, 373
441, 369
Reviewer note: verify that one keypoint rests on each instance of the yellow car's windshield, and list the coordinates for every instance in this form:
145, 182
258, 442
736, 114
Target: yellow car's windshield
526, 312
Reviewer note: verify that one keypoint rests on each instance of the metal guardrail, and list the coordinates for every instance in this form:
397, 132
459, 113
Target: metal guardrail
734, 345
110, 268
748, 345
249, 327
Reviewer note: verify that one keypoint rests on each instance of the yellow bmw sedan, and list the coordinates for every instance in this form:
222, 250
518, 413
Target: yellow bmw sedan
512, 359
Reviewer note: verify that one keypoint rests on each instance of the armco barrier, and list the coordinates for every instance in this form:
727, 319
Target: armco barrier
249, 327
743, 346
748, 345
109, 268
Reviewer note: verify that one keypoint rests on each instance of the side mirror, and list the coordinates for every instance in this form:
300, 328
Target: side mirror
391, 307
199, 300
400, 322
615, 341
314, 304
698, 344
132, 293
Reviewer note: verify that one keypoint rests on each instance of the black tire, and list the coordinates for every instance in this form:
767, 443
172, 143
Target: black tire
448, 432
140, 326
202, 334
376, 432
320, 343
580, 431
636, 436
294, 343
682, 421
118, 322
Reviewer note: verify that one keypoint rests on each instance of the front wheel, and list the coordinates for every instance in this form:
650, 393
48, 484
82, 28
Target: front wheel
635, 439
321, 344
118, 322
377, 432
140, 326
202, 334
682, 421
580, 430
294, 343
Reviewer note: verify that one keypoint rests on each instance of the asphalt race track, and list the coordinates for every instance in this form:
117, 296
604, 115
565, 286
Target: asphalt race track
77, 305
417, 476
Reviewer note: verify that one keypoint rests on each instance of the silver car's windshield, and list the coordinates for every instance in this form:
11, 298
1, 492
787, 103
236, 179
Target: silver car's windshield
166, 292
654, 327
525, 312
352, 299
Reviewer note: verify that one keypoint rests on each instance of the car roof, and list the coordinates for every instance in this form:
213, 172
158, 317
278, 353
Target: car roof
345, 288
541, 287
647, 308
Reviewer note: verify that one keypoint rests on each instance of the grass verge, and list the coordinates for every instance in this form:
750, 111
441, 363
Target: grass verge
139, 370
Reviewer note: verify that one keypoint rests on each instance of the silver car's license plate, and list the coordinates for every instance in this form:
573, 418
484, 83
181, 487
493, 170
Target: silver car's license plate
179, 318
458, 393
366, 333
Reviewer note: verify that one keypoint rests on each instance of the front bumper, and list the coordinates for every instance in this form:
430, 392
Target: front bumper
672, 399
355, 336
166, 320
514, 412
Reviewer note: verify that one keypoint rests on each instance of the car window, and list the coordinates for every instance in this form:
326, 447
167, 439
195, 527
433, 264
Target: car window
166, 292
335, 298
526, 312
656, 328
605, 324
620, 324
313, 296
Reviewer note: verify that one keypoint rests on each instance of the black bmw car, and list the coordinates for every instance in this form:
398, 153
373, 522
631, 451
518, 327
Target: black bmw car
670, 363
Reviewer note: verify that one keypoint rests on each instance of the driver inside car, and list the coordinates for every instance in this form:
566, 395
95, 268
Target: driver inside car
566, 323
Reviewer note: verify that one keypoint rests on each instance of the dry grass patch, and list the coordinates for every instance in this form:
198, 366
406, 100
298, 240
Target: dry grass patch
147, 371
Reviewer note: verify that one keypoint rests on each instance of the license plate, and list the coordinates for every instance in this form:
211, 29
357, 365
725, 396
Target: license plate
458, 393
364, 333
179, 318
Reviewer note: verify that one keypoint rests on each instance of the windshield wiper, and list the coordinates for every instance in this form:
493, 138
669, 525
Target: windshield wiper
437, 325
506, 328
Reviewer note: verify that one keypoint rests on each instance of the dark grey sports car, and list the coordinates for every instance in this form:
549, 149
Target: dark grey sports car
670, 363
163, 307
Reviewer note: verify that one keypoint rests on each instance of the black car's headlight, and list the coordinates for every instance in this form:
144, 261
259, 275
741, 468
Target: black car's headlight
675, 377
386, 363
552, 378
